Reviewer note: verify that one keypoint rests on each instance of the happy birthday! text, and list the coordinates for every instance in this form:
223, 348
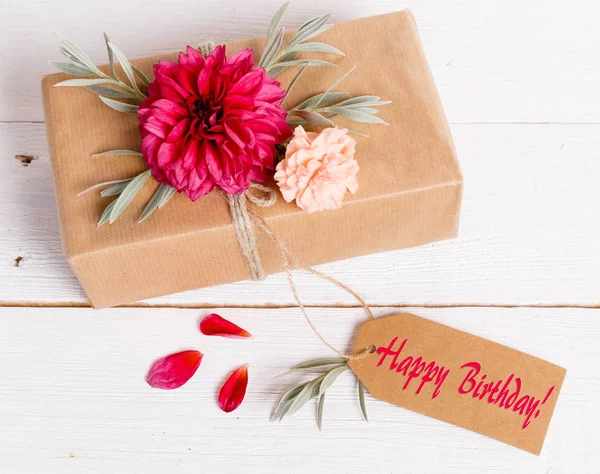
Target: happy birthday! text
504, 393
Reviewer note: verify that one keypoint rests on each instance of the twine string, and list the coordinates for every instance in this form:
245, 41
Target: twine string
242, 220
245, 234
289, 263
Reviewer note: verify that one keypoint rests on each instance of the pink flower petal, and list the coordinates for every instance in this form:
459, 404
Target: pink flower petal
215, 325
233, 390
173, 370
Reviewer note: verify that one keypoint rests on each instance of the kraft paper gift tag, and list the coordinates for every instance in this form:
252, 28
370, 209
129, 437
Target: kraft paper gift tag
459, 378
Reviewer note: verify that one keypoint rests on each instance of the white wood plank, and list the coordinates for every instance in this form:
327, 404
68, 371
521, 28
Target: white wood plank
494, 61
73, 396
528, 231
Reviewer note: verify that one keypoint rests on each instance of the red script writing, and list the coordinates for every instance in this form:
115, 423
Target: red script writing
507, 394
413, 368
503, 393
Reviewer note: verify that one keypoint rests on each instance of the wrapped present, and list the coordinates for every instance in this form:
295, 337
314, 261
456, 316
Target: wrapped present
409, 190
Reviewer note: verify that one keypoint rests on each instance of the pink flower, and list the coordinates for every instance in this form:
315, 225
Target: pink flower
211, 122
318, 169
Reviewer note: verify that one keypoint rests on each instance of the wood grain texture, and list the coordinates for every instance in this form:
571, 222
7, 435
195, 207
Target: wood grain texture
500, 61
73, 396
519, 81
528, 232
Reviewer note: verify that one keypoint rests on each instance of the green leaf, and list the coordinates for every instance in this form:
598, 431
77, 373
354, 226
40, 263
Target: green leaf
289, 56
330, 378
320, 411
293, 83
311, 118
72, 69
111, 92
285, 400
271, 50
324, 98
320, 366
125, 65
128, 194
106, 214
83, 82
111, 58
167, 195
317, 47
364, 101
140, 73
118, 153
120, 106
320, 363
368, 110
300, 62
70, 56
311, 28
336, 83
75, 53
316, 370
358, 115
157, 200
115, 189
310, 391
361, 398
275, 69
101, 185
276, 20
361, 99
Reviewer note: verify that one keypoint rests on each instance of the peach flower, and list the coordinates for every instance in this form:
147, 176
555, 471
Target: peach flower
318, 169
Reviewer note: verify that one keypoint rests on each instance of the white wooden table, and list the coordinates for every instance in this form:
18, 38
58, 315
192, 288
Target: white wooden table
520, 82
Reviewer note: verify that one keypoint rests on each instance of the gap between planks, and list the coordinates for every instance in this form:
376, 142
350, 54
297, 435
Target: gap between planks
74, 304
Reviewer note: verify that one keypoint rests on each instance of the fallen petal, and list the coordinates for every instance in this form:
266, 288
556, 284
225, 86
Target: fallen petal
215, 325
174, 370
233, 390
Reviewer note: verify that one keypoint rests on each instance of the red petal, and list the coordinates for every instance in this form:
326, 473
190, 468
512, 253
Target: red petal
173, 370
233, 390
215, 325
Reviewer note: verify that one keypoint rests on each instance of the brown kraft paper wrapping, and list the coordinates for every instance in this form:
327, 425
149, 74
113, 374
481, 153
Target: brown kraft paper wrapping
410, 181
459, 378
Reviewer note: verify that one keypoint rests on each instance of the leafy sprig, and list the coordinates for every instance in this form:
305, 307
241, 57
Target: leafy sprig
296, 397
127, 189
277, 58
109, 88
320, 109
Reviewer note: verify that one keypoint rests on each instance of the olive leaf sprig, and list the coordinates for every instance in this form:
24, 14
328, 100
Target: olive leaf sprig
126, 190
296, 397
108, 88
320, 109
277, 58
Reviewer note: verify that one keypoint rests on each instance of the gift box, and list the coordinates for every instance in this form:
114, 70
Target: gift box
410, 183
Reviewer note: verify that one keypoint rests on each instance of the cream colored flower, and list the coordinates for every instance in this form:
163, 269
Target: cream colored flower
318, 169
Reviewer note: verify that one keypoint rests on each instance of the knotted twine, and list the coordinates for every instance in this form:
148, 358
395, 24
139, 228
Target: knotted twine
242, 219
